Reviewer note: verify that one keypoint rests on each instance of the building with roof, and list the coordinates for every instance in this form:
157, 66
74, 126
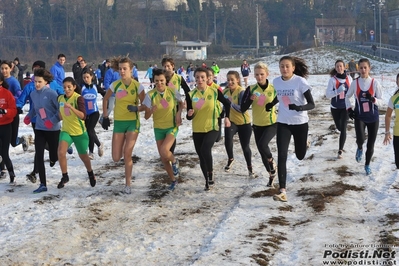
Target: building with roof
190, 50
330, 30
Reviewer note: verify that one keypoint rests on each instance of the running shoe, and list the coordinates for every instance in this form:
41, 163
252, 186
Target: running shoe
273, 168
127, 190
64, 180
101, 149
42, 188
367, 169
173, 185
25, 143
359, 154
340, 154
229, 164
3, 174
271, 180
70, 150
91, 156
175, 167
31, 177
280, 197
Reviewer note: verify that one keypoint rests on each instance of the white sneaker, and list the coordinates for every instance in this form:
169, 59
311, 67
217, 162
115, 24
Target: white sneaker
25, 143
91, 156
101, 149
127, 190
280, 197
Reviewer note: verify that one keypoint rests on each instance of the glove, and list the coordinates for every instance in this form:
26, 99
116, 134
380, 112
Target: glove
48, 124
295, 107
369, 97
269, 107
2, 111
105, 124
19, 110
341, 89
27, 120
132, 108
351, 114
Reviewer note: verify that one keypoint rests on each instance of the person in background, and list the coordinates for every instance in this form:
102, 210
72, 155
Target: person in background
206, 104
149, 74
295, 97
135, 72
47, 123
103, 68
57, 70
83, 68
352, 68
27, 79
14, 70
129, 93
111, 75
393, 108
8, 111
337, 88
76, 69
216, 71
245, 70
262, 97
161, 103
89, 94
21, 70
72, 111
240, 122
215, 86
367, 93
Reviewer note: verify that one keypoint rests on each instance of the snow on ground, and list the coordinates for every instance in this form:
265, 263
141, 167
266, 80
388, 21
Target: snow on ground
334, 213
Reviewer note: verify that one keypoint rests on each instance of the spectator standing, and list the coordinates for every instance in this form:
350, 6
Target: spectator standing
76, 70
57, 70
245, 70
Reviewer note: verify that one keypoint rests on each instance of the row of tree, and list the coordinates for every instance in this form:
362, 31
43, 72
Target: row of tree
92, 23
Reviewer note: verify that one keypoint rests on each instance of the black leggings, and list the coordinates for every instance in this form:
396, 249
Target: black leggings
41, 137
396, 150
372, 130
5, 139
15, 140
244, 133
284, 133
91, 122
263, 135
340, 117
203, 143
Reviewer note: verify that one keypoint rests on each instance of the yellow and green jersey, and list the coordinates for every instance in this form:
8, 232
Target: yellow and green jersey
236, 117
395, 102
166, 102
260, 116
206, 110
124, 96
71, 123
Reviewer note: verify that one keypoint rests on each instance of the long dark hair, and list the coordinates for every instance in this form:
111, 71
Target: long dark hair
301, 69
73, 82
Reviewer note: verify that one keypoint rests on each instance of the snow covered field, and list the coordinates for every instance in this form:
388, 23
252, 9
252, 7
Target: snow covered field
334, 213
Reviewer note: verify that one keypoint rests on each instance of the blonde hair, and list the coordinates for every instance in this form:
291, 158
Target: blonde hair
262, 65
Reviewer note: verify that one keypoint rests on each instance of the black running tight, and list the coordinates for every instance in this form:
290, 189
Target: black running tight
263, 135
203, 143
340, 117
396, 150
284, 133
5, 139
41, 137
91, 122
372, 130
244, 134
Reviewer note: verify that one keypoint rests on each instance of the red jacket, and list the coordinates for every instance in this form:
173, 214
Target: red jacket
7, 102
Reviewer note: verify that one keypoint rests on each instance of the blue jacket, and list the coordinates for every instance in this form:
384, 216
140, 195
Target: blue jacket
25, 95
58, 72
110, 76
135, 73
46, 107
14, 86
